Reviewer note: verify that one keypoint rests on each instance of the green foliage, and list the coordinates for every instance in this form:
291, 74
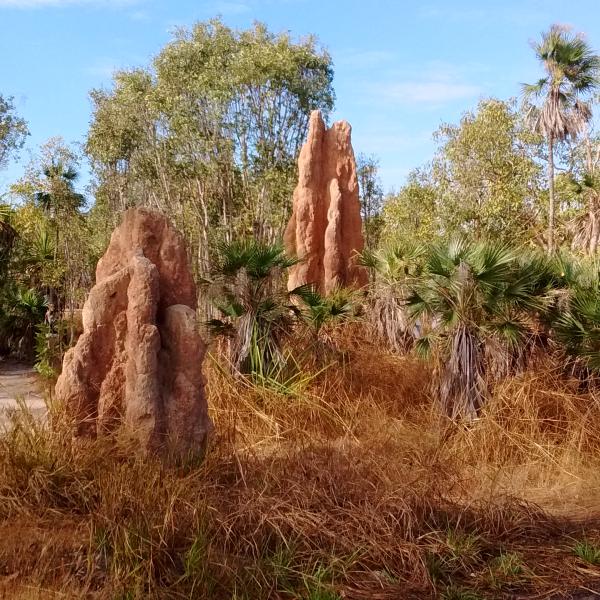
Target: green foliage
50, 342
453, 592
21, 310
588, 552
257, 315
13, 130
572, 71
51, 254
578, 328
371, 198
393, 270
318, 310
484, 181
411, 215
576, 320
464, 547
507, 569
8, 237
572, 74
488, 180
479, 298
210, 132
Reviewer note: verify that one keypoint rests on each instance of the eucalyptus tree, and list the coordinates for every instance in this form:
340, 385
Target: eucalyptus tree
412, 215
486, 176
210, 131
371, 197
571, 76
484, 181
13, 130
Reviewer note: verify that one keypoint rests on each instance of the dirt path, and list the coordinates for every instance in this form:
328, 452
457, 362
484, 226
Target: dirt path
19, 381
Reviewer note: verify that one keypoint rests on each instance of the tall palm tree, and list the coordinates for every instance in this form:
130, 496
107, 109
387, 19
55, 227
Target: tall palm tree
571, 74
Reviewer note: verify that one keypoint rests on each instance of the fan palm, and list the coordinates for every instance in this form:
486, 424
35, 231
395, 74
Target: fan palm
578, 328
256, 314
571, 74
479, 298
394, 269
317, 310
21, 310
576, 320
59, 194
58, 197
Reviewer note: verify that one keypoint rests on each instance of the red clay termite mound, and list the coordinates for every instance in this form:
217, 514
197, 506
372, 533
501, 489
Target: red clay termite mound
137, 365
325, 230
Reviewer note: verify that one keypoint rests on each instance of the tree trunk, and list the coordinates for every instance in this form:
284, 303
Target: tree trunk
594, 225
551, 206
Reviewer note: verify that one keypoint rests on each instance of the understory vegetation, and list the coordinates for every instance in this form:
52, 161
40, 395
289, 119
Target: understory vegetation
354, 488
435, 434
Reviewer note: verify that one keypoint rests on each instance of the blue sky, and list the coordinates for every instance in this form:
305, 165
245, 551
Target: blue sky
401, 68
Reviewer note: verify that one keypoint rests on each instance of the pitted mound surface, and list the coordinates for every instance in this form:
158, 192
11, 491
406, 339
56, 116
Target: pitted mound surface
137, 364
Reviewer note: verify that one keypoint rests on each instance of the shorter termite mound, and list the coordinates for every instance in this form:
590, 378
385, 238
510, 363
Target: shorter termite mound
137, 365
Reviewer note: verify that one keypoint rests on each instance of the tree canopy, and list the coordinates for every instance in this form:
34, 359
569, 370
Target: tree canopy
210, 131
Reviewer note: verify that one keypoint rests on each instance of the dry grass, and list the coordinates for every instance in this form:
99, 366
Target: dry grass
353, 488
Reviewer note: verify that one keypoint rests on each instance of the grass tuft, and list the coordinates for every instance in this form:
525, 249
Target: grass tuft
588, 552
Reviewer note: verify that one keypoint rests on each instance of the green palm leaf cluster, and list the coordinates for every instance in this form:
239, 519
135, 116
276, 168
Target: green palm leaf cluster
576, 325
571, 71
59, 194
257, 313
314, 310
481, 303
393, 270
21, 310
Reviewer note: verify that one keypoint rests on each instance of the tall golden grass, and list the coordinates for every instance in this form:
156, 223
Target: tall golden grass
351, 487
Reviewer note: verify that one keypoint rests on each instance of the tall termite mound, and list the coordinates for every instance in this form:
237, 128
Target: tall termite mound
325, 230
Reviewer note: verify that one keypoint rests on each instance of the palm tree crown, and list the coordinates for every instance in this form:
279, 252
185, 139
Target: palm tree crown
571, 70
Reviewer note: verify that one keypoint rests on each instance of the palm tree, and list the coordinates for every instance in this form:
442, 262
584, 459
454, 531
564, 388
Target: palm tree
572, 71
576, 316
480, 300
59, 193
21, 310
256, 312
317, 310
393, 270
58, 197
